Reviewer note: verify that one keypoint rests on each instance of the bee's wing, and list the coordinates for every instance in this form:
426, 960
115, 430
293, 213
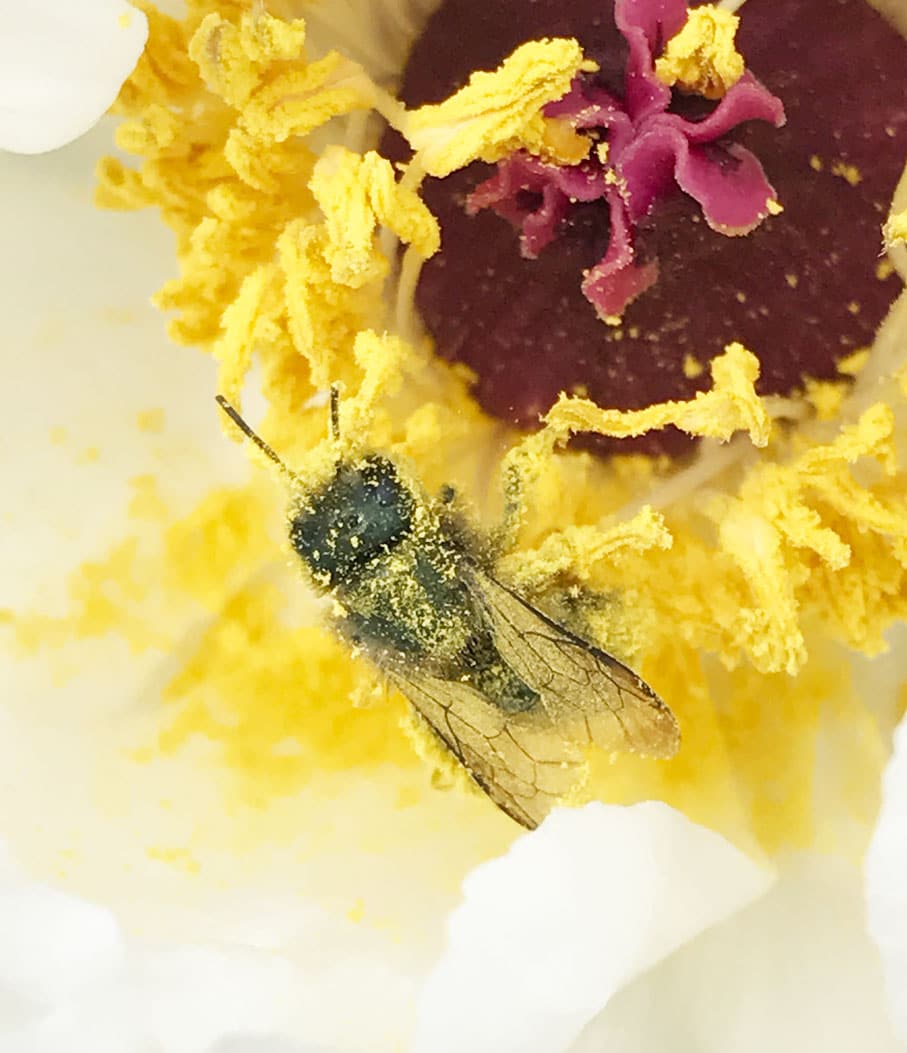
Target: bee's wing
527, 761
588, 696
517, 759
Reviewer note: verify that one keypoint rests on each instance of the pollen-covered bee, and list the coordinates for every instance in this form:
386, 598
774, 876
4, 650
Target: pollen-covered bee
515, 696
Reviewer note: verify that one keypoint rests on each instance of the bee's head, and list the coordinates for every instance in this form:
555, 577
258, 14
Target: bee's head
363, 511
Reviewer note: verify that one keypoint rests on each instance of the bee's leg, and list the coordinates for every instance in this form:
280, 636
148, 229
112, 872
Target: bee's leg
504, 536
520, 472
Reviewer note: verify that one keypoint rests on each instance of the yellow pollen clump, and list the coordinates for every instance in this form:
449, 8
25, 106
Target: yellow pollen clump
692, 367
896, 229
151, 420
853, 364
175, 856
702, 58
826, 396
356, 195
89, 455
849, 173
276, 700
244, 65
497, 113
105, 596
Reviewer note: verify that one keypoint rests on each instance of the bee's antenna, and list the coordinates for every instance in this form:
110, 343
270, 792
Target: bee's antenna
247, 431
335, 412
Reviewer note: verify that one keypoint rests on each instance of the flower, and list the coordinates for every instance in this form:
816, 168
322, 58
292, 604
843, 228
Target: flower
256, 809
53, 91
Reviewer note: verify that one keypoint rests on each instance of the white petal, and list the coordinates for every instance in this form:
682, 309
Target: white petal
104, 1018
575, 910
794, 972
62, 64
196, 995
886, 888
264, 1044
53, 944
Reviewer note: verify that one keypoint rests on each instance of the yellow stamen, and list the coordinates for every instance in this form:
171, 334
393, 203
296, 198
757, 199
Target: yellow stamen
497, 113
357, 194
732, 405
702, 58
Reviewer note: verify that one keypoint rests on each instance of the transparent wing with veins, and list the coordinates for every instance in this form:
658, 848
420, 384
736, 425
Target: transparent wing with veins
526, 762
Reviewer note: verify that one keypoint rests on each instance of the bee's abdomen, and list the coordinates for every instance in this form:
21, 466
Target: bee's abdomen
491, 676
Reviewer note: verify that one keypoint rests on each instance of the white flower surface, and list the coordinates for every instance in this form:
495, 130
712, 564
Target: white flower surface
546, 934
886, 881
62, 63
796, 970
71, 980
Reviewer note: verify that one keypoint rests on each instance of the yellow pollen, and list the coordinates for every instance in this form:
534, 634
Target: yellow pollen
497, 113
850, 173
854, 363
692, 367
702, 58
896, 229
151, 420
89, 455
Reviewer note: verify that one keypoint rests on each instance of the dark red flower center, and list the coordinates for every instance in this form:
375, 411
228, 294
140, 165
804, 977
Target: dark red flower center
518, 296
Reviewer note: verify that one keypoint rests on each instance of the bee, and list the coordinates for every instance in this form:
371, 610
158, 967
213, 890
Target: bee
515, 696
